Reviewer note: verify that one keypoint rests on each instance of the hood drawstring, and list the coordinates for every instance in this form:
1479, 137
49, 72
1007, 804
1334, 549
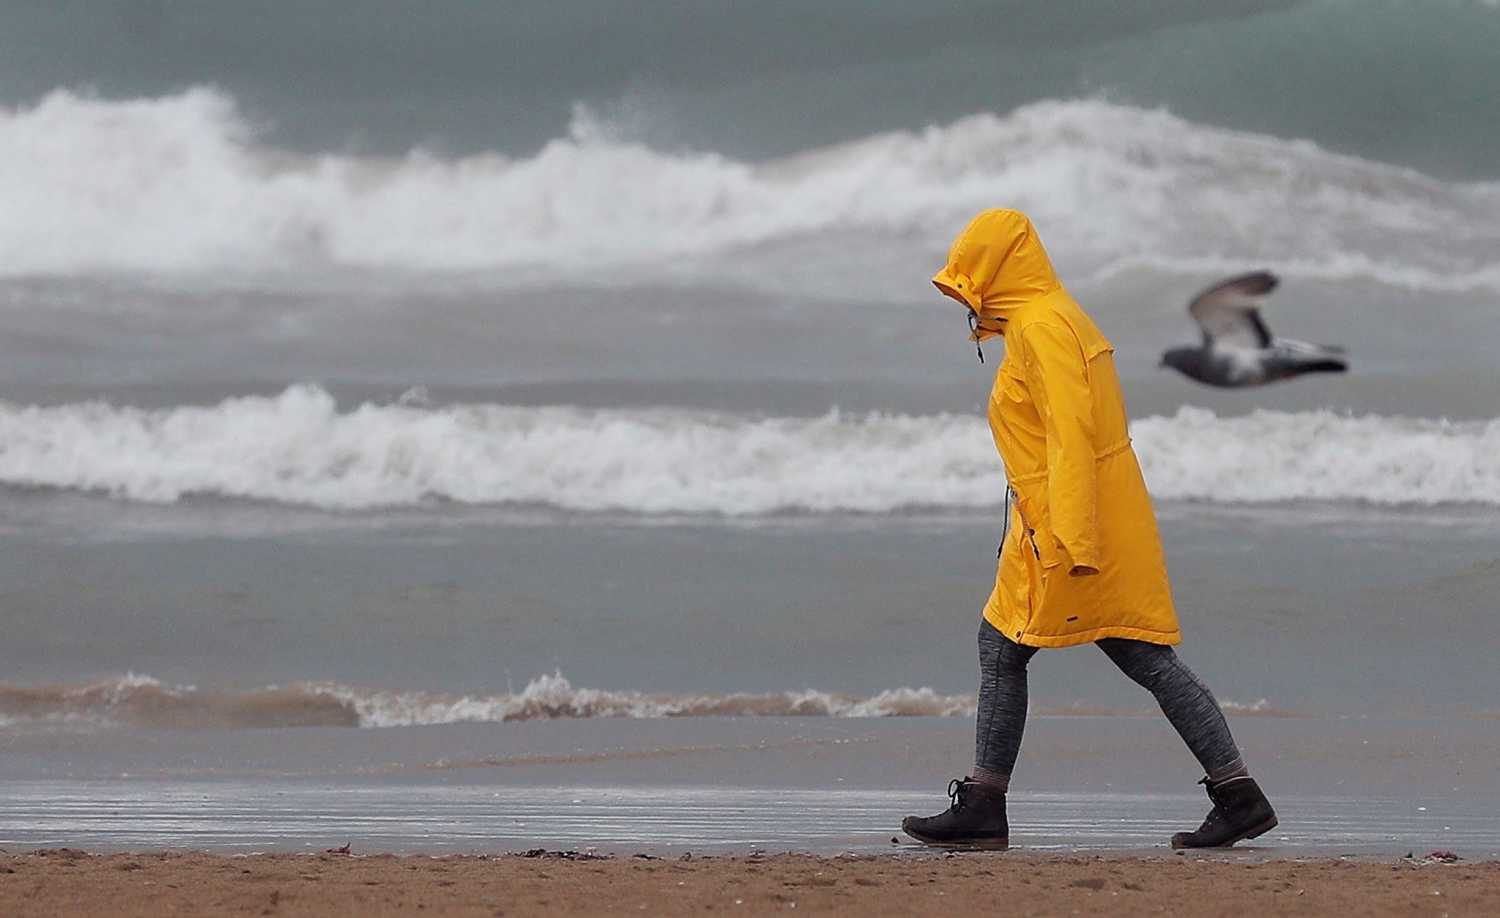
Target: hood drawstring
974, 333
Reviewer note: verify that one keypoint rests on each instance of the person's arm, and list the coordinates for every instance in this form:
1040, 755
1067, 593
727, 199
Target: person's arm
1057, 378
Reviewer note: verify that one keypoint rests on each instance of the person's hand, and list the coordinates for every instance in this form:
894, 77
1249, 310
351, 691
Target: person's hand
1082, 570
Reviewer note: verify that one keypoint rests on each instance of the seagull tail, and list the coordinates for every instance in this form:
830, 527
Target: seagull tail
1329, 365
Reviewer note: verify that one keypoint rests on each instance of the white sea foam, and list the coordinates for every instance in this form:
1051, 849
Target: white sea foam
552, 696
179, 184
1273, 456
1258, 706
299, 448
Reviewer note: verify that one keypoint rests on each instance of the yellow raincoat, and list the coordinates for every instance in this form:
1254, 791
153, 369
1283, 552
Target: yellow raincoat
1082, 559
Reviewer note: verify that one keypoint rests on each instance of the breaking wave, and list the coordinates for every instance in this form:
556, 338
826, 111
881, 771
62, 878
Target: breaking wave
179, 185
142, 701
1277, 456
136, 700
298, 448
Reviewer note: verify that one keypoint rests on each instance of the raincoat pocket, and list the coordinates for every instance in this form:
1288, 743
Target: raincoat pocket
1038, 536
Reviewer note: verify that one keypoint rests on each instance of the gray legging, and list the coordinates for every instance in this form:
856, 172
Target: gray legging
1186, 701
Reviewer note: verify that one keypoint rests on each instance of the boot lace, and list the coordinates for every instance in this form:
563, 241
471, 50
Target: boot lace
1216, 793
957, 789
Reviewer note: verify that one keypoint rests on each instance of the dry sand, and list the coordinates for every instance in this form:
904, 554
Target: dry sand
69, 882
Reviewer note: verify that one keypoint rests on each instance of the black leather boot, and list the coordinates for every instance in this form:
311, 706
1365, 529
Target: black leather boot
975, 820
1240, 811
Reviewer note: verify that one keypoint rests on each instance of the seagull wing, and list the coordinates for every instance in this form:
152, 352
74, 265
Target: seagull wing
1229, 313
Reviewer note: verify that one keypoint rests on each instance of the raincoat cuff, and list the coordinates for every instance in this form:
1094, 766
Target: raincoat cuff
1079, 555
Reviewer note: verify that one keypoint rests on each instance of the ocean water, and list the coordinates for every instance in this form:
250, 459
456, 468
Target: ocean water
380, 409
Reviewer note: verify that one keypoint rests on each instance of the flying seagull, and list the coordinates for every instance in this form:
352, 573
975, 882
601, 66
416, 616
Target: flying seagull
1237, 348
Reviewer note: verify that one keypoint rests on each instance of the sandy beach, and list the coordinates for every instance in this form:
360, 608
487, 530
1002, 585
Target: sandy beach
75, 883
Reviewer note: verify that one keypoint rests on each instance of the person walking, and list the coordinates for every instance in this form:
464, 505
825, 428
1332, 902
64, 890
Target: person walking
1080, 561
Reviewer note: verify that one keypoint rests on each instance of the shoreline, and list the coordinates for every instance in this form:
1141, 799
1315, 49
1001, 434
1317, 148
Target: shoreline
731, 785
908, 882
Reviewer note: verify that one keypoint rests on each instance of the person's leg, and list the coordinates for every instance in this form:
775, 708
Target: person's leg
977, 817
1186, 701
1001, 717
1240, 809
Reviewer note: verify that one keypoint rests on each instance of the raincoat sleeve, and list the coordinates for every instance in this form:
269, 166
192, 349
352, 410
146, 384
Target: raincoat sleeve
1057, 378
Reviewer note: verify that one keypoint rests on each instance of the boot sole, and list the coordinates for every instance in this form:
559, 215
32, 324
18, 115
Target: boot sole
1254, 832
977, 844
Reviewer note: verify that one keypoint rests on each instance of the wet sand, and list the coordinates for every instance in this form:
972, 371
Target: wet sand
726, 786
71, 882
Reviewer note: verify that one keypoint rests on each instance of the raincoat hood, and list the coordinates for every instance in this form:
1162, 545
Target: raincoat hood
997, 263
